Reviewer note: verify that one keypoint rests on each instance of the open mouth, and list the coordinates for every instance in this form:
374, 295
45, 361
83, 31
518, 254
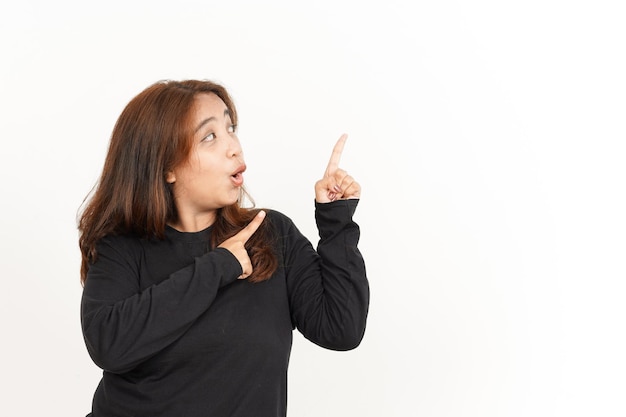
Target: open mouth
237, 177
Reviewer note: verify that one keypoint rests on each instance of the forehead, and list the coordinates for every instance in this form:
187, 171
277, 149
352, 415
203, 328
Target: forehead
206, 106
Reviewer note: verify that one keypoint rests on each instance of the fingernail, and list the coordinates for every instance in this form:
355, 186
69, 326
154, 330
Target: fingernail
337, 188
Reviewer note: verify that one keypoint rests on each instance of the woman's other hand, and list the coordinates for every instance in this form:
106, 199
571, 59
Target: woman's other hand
336, 183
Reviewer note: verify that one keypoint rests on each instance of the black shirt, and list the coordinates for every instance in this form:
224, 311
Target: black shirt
177, 334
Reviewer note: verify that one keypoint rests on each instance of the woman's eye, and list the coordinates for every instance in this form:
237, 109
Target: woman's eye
232, 128
208, 137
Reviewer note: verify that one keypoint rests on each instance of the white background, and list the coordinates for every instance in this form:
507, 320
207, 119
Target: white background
488, 137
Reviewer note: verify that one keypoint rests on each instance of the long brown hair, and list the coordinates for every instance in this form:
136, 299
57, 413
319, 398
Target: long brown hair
152, 136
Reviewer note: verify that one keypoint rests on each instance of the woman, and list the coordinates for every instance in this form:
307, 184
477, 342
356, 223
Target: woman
190, 299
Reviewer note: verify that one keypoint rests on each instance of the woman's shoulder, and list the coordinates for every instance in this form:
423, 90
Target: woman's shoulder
278, 219
124, 245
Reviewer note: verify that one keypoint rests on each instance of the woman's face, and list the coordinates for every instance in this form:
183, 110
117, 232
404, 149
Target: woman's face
212, 176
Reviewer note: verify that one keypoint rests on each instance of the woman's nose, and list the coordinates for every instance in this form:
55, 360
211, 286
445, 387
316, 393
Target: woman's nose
234, 147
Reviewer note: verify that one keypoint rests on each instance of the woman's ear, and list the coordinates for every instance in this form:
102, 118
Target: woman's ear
170, 177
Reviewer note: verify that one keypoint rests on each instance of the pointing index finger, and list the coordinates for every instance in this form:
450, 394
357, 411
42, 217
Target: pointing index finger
335, 157
252, 227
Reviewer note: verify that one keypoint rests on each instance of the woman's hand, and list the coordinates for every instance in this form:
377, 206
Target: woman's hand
236, 244
336, 183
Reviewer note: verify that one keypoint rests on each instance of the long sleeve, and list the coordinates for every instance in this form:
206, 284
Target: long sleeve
328, 288
125, 324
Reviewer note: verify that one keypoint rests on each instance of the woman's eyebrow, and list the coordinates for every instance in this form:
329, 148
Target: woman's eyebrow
211, 119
